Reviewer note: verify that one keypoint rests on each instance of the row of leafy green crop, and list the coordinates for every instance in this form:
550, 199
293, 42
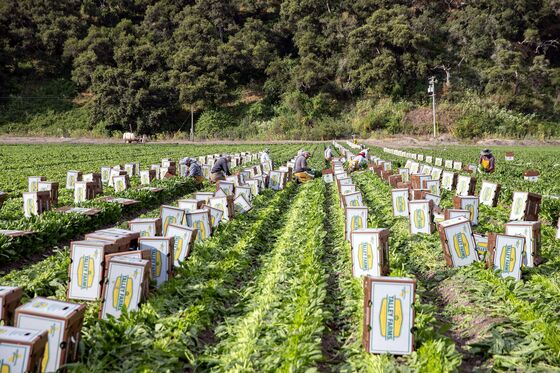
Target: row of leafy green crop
52, 227
517, 322
280, 319
174, 325
508, 173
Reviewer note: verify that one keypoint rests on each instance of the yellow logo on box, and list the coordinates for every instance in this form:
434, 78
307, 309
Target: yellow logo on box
201, 230
156, 263
518, 206
178, 247
419, 218
122, 292
461, 245
400, 203
365, 256
86, 271
507, 259
356, 222
391, 317
169, 220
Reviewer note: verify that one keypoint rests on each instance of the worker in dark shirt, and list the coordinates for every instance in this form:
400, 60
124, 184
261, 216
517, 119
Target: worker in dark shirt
301, 171
486, 161
220, 169
195, 171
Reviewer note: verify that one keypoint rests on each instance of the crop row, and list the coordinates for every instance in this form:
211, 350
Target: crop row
517, 322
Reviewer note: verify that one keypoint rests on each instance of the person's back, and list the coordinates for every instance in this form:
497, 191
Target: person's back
195, 170
265, 157
300, 164
328, 153
221, 166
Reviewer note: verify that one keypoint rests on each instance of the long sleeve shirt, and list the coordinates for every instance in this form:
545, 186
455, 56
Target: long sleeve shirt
195, 170
301, 164
328, 153
265, 158
221, 165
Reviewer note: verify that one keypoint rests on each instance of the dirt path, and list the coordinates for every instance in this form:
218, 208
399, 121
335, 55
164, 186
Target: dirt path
401, 141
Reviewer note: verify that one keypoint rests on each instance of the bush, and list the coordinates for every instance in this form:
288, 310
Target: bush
384, 114
213, 123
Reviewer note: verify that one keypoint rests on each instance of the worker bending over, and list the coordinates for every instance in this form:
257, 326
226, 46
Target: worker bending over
301, 171
328, 156
265, 156
486, 161
195, 171
359, 162
220, 169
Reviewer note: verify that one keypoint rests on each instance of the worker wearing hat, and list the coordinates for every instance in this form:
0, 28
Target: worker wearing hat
195, 171
220, 169
486, 161
302, 173
359, 161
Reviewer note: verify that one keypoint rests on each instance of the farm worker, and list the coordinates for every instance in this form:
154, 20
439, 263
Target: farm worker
354, 139
195, 171
328, 156
486, 161
301, 171
359, 161
265, 157
365, 150
220, 169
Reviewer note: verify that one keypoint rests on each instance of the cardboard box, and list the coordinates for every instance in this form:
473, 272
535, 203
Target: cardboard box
241, 204
436, 200
346, 188
146, 227
419, 194
531, 230
277, 180
469, 203
22, 350
245, 191
481, 242
466, 185
525, 206
147, 176
125, 285
352, 199
162, 256
190, 204
370, 252
71, 178
63, 321
394, 180
406, 185
216, 215
356, 218
389, 315
170, 215
438, 162
33, 182
457, 165
448, 180
505, 253
457, 241
10, 299
105, 174
405, 174
417, 180
113, 175
436, 173
328, 176
448, 163
531, 175
253, 184
455, 213
96, 179
489, 194
225, 204
86, 269
123, 241
52, 188
432, 185
509, 156
199, 219
83, 191
420, 216
121, 183
203, 196
36, 203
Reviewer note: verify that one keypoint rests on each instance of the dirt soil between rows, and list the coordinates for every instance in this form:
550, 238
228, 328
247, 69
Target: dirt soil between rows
401, 141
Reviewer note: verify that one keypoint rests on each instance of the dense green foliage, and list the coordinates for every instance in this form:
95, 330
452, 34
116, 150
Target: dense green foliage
145, 64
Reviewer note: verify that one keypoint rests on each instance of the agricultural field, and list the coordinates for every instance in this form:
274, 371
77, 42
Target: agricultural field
273, 288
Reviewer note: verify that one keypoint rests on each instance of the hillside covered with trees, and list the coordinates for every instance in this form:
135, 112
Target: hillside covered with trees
280, 68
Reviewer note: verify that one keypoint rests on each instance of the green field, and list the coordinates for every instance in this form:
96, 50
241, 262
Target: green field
273, 290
